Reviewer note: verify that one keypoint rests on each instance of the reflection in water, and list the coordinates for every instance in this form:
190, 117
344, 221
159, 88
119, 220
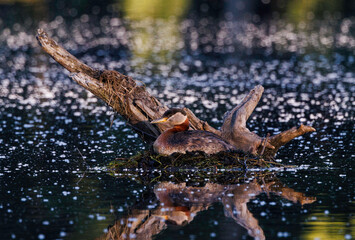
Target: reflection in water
179, 204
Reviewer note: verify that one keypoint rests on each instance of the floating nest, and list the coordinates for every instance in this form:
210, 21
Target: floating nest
195, 160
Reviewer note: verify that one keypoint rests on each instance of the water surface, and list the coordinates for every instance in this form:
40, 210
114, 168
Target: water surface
56, 138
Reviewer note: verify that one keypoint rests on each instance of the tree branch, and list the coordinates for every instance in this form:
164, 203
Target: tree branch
120, 92
138, 107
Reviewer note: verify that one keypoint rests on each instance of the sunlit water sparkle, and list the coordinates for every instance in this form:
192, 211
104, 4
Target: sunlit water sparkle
56, 138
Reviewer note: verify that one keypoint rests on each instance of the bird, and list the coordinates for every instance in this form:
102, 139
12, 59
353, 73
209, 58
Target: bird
179, 139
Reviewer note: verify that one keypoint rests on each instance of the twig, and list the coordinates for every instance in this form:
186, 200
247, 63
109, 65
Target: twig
264, 144
85, 166
265, 190
112, 119
156, 178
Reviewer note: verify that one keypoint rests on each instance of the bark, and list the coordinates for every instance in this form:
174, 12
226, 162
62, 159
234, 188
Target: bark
120, 92
131, 100
235, 131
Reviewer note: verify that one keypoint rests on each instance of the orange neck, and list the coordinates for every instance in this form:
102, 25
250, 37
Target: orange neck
182, 127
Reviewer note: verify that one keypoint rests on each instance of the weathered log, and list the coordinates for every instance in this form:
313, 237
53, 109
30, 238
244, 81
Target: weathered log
234, 127
120, 92
131, 100
235, 131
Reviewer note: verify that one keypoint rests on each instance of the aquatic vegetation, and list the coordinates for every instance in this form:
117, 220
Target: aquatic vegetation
197, 160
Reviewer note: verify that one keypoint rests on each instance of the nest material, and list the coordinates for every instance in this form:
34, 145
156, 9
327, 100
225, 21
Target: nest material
193, 160
193, 168
121, 90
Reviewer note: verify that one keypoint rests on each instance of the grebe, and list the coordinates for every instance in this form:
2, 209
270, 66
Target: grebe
179, 139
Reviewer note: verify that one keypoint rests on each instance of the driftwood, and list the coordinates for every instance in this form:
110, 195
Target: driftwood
128, 98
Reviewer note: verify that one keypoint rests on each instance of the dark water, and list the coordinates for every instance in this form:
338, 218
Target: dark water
56, 138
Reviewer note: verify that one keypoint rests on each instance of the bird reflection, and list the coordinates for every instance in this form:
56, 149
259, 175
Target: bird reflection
178, 204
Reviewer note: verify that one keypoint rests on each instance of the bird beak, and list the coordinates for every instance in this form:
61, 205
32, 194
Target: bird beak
160, 120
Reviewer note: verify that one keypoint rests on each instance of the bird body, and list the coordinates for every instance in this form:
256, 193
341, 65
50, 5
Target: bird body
181, 140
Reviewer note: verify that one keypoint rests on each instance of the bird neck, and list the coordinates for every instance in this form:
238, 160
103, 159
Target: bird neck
182, 127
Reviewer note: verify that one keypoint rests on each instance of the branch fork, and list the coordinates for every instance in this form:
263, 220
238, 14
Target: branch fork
138, 107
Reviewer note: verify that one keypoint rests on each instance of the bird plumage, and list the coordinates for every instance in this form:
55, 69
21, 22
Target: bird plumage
180, 139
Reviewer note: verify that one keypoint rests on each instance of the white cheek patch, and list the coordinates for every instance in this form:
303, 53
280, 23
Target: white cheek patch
178, 118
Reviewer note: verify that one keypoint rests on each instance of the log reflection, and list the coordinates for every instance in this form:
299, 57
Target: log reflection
178, 204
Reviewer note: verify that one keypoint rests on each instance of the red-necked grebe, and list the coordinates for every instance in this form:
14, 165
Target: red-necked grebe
181, 140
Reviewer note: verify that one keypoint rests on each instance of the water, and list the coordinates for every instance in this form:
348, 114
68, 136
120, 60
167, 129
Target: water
56, 138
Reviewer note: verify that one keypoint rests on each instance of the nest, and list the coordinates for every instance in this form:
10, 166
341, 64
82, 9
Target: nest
192, 160
196, 168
